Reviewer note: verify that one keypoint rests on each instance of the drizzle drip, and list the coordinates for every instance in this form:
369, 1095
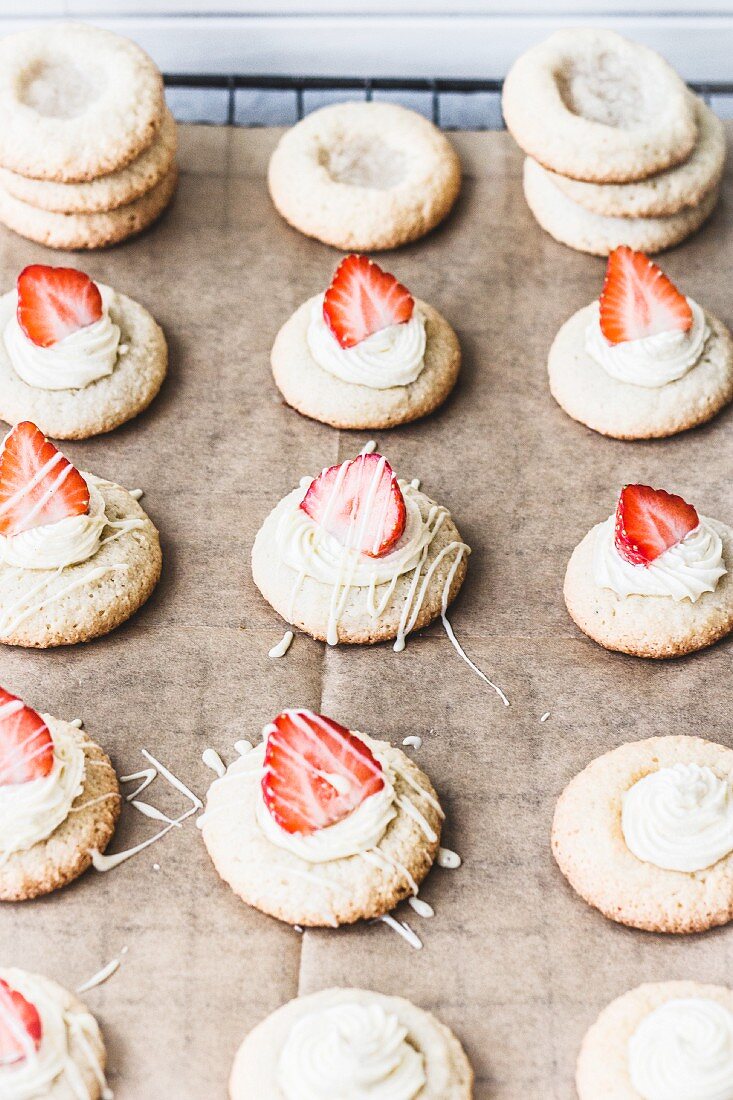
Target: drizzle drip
545, 716
421, 907
211, 759
413, 742
281, 647
403, 929
448, 859
369, 448
104, 974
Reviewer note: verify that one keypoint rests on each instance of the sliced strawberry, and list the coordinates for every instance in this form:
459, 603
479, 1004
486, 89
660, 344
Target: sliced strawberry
362, 299
26, 745
639, 300
37, 484
53, 302
20, 1026
316, 771
649, 521
360, 503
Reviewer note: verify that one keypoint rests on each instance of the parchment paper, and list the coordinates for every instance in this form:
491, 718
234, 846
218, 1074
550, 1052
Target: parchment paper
513, 960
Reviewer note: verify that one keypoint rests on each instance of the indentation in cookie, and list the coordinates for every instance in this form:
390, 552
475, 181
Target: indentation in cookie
603, 87
58, 88
363, 163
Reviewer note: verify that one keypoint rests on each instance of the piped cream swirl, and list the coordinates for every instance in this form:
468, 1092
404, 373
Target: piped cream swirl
30, 812
394, 356
350, 1050
58, 545
683, 1050
652, 361
679, 818
683, 572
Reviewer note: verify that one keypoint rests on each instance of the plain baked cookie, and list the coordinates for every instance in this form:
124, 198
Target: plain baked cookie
364, 176
663, 194
283, 884
105, 192
648, 626
105, 403
66, 853
603, 1063
305, 601
317, 393
44, 608
594, 106
589, 846
76, 102
69, 1055
589, 394
77, 231
272, 1053
573, 225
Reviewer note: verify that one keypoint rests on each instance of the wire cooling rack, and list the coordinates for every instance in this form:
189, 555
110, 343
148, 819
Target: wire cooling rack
236, 100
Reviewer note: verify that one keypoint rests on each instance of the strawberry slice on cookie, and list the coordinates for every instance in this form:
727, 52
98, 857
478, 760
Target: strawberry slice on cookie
363, 299
650, 521
26, 745
638, 300
359, 503
316, 772
38, 485
54, 302
20, 1026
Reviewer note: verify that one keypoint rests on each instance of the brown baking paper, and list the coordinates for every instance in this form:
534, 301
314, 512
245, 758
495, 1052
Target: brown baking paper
512, 960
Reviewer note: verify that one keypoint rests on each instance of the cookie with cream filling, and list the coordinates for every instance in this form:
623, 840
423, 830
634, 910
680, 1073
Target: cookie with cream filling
320, 825
357, 556
76, 357
645, 834
653, 580
660, 1039
643, 361
365, 354
50, 1043
316, 1047
78, 555
59, 799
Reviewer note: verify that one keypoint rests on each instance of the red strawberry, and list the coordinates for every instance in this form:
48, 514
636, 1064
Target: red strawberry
316, 771
639, 300
359, 503
363, 299
649, 521
26, 746
20, 1026
53, 302
37, 484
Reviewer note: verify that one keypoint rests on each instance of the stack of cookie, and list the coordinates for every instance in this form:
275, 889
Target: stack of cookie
619, 151
87, 145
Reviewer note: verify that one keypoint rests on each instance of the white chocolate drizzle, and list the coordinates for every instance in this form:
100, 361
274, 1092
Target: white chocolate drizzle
403, 929
421, 907
136, 494
243, 747
280, 648
211, 758
448, 859
77, 723
545, 716
369, 448
413, 742
104, 974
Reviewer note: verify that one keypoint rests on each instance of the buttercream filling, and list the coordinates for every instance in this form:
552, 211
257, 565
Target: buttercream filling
350, 1050
652, 361
57, 545
683, 1050
679, 818
683, 572
72, 363
394, 356
30, 812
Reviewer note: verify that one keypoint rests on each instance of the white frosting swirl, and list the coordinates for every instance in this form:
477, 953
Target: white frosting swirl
684, 572
683, 1050
72, 363
361, 830
350, 1050
57, 545
395, 356
679, 818
29, 812
652, 361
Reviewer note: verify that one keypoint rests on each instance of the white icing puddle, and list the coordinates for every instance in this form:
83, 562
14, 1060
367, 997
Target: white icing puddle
413, 742
104, 974
211, 759
448, 859
403, 929
545, 716
281, 647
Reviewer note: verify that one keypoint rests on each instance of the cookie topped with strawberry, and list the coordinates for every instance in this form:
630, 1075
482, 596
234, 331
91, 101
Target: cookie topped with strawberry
655, 579
50, 1044
366, 353
76, 357
357, 555
320, 824
59, 800
644, 360
77, 554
